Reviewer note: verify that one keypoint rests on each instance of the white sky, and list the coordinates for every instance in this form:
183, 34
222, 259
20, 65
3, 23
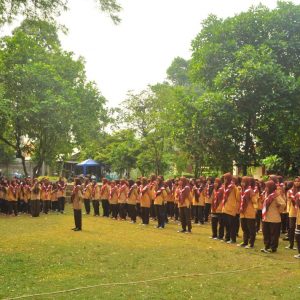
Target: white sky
137, 52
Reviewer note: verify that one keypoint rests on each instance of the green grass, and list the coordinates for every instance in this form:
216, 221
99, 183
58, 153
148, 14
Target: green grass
40, 255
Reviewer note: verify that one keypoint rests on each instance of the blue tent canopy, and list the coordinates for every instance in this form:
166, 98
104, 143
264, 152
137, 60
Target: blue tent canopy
88, 163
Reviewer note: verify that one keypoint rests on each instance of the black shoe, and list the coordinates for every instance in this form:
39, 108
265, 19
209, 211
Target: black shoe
74, 228
77, 229
181, 231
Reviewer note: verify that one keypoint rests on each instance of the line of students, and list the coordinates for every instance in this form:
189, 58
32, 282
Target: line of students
231, 201
31, 196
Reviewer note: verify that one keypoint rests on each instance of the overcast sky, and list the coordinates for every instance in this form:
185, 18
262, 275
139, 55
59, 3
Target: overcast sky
137, 52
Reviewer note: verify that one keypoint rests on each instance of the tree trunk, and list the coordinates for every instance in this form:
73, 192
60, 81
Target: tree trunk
24, 165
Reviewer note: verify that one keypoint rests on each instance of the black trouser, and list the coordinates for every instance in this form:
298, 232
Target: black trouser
54, 205
160, 213
284, 222
78, 218
230, 226
138, 209
35, 207
145, 211
207, 211
217, 220
122, 210
176, 212
114, 210
170, 209
87, 206
152, 210
271, 232
292, 228
132, 212
237, 224
297, 237
13, 207
258, 219
105, 207
61, 204
3, 206
26, 207
185, 218
249, 231
197, 214
46, 206
96, 207
21, 205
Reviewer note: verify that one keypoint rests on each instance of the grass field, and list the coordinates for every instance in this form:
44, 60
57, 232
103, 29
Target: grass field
39, 255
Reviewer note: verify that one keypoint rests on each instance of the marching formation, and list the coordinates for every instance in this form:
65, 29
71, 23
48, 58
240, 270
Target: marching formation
229, 203
31, 196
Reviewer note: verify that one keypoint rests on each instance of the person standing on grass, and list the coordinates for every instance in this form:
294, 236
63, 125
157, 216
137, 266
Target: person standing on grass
292, 190
184, 205
217, 222
159, 202
230, 203
273, 206
209, 197
152, 189
46, 195
113, 200
122, 196
54, 200
132, 199
248, 212
12, 197
61, 194
175, 191
95, 196
196, 201
87, 193
104, 195
260, 190
202, 199
297, 231
169, 211
35, 198
76, 199
145, 201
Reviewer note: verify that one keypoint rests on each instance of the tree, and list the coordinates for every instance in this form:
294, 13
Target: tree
48, 106
47, 9
249, 64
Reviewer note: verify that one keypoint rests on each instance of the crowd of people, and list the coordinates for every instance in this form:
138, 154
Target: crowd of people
228, 202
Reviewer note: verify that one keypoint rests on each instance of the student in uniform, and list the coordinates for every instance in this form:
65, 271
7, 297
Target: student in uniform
61, 194
138, 201
175, 191
104, 195
170, 200
122, 197
260, 186
231, 200
292, 189
145, 201
196, 201
76, 199
53, 198
152, 188
184, 205
217, 222
113, 199
132, 199
209, 197
87, 193
159, 202
297, 231
46, 195
273, 206
12, 197
202, 199
35, 198
3, 205
248, 212
95, 196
